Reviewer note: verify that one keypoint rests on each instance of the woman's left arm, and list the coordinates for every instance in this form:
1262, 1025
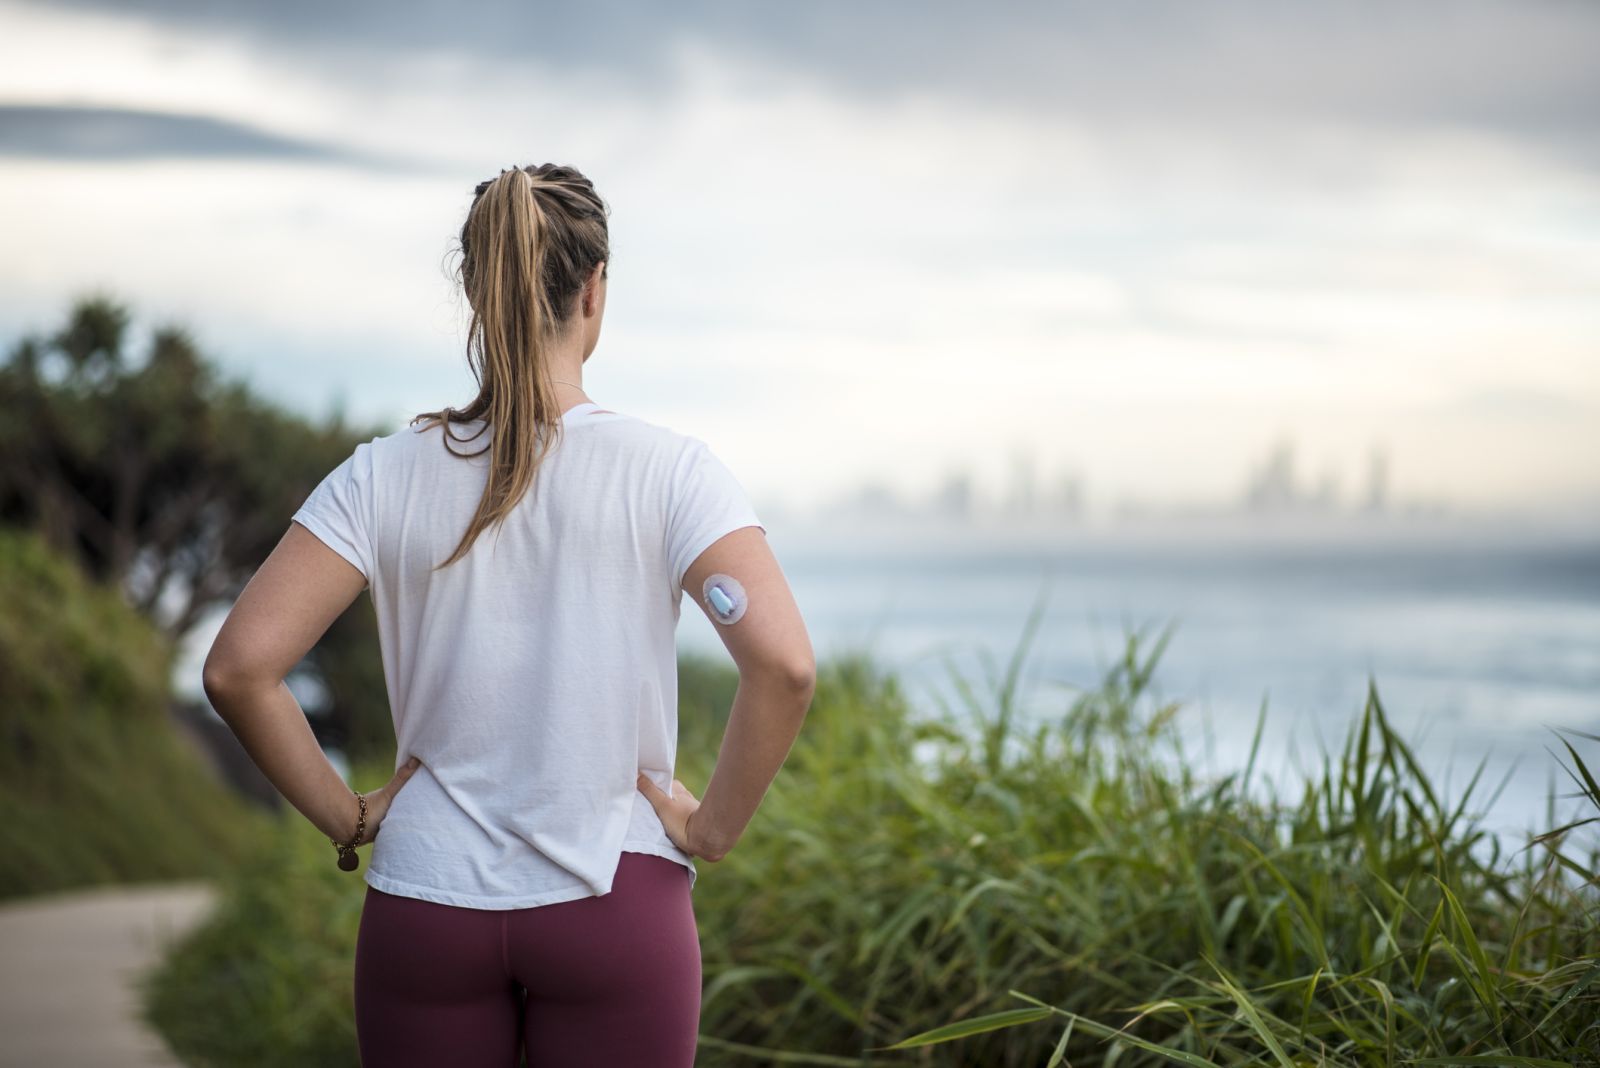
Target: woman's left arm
290, 602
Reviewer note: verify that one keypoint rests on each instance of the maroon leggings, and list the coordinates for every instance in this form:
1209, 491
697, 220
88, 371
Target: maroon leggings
606, 981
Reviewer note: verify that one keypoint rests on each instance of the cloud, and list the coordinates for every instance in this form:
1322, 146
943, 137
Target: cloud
1141, 244
1523, 70
114, 134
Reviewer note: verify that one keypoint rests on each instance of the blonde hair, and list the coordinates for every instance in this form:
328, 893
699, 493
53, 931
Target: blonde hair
532, 238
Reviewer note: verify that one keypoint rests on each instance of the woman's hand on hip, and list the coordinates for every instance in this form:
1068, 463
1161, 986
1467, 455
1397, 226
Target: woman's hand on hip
379, 800
674, 812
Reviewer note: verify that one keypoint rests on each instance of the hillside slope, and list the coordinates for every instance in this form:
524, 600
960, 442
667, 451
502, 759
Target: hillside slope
96, 783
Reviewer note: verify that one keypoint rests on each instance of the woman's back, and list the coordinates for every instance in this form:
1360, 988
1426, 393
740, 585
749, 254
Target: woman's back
535, 677
527, 572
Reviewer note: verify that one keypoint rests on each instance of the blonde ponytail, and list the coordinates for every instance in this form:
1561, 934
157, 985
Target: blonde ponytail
530, 242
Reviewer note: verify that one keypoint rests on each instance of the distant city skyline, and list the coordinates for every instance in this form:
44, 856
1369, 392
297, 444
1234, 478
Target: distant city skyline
1275, 486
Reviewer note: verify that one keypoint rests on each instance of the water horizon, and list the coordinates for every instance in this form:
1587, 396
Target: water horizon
1480, 638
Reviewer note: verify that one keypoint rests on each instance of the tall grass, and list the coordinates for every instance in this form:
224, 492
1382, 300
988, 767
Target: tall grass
970, 889
267, 979
1076, 893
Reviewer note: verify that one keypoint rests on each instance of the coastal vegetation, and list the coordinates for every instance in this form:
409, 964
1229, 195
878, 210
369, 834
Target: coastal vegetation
968, 888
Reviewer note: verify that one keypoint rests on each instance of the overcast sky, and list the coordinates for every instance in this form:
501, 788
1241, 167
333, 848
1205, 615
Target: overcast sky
1140, 242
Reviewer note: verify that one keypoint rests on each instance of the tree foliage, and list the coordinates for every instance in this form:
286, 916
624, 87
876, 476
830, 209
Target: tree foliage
171, 482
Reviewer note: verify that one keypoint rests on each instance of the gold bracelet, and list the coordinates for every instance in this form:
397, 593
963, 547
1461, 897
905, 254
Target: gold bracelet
348, 861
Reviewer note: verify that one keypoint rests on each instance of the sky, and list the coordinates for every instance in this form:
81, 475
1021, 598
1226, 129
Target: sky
1138, 245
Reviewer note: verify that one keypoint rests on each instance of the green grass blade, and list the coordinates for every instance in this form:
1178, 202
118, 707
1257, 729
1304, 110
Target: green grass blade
976, 1026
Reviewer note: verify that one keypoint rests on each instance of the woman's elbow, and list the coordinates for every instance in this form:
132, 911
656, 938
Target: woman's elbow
225, 676
219, 682
781, 676
800, 678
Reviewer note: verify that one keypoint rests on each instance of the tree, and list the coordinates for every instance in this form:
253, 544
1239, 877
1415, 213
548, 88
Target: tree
171, 483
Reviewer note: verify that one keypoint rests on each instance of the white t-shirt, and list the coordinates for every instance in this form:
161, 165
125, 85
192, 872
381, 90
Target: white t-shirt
536, 676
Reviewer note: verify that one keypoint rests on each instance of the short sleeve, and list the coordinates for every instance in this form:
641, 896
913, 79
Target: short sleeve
339, 511
706, 502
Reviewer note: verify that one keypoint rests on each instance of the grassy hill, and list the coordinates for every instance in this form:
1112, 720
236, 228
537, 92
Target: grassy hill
96, 783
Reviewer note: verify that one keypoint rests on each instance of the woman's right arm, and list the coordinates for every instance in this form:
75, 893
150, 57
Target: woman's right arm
777, 677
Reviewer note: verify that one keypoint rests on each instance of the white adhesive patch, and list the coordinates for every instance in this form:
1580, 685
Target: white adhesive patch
724, 598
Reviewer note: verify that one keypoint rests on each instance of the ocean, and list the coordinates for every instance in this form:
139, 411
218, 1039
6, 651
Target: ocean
1480, 640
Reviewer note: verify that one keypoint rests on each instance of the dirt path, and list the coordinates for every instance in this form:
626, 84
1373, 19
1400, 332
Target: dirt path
67, 965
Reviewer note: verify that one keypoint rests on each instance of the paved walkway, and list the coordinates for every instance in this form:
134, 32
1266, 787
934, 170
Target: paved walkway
67, 966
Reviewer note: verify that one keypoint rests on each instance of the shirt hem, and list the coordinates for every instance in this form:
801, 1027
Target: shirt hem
401, 888
657, 851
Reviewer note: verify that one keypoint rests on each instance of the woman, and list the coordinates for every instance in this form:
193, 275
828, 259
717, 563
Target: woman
531, 884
